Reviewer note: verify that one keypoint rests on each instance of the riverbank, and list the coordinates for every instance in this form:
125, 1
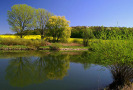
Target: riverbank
110, 46
37, 44
49, 47
62, 49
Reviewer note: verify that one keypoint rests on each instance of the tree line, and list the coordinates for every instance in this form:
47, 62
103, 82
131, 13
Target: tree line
26, 20
22, 17
101, 32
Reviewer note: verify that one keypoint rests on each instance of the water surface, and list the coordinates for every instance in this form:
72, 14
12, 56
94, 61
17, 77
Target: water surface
60, 71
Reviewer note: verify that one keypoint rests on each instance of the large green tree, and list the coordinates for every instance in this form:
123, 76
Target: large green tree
59, 28
42, 17
20, 18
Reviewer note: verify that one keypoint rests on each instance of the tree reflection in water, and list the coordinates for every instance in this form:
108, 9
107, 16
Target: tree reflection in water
53, 67
19, 71
122, 75
23, 71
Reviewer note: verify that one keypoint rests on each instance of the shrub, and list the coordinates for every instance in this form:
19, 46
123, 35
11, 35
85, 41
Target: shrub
54, 46
87, 34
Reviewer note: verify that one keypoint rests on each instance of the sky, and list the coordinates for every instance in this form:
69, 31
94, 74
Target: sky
78, 12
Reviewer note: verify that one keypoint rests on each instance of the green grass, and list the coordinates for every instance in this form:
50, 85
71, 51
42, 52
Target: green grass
74, 47
44, 46
61, 46
93, 44
14, 46
22, 42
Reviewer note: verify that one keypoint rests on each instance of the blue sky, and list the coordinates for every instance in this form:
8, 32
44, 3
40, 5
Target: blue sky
78, 12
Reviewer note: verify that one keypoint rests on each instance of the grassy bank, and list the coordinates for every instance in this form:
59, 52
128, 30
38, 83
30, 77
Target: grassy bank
49, 47
107, 47
38, 44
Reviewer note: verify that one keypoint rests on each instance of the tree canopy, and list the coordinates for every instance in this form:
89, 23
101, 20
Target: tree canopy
41, 18
20, 18
59, 28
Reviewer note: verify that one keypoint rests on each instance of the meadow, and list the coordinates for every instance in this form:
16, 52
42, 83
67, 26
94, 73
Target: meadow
35, 41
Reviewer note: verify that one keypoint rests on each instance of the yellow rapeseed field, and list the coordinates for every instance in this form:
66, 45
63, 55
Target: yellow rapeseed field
9, 36
25, 37
75, 40
38, 37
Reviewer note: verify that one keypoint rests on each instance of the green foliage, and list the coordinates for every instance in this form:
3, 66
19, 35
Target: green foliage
20, 18
87, 34
76, 41
59, 28
41, 19
54, 46
77, 32
30, 32
105, 33
118, 51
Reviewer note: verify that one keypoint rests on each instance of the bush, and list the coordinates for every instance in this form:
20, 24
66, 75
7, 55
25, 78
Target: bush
87, 34
54, 46
76, 41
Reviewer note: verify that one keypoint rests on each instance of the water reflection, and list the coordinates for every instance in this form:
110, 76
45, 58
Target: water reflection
19, 72
23, 71
53, 67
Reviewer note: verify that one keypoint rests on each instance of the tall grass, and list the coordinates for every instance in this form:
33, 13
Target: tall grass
55, 46
25, 42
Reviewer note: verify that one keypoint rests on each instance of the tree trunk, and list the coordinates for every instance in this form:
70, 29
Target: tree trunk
42, 33
85, 42
57, 39
42, 37
21, 36
54, 39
